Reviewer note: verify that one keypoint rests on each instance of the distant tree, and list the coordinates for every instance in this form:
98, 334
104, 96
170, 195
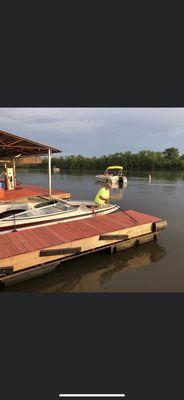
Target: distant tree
171, 153
147, 160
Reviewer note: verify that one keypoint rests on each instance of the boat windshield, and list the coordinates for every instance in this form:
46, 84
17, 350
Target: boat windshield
42, 209
115, 172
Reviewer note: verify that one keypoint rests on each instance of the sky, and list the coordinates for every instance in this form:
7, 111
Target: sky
98, 131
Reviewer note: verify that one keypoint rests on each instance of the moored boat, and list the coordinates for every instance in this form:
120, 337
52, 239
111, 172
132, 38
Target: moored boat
21, 216
113, 174
55, 169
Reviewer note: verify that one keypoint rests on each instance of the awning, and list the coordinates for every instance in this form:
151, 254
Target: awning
12, 145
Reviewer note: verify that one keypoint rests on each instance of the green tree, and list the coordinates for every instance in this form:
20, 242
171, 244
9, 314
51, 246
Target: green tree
171, 153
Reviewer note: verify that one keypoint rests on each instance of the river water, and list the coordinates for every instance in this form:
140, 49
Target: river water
153, 267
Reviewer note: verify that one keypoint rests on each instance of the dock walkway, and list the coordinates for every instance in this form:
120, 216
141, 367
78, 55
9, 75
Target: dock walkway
25, 191
39, 246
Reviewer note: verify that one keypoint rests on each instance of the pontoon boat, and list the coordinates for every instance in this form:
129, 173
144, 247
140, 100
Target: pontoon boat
113, 174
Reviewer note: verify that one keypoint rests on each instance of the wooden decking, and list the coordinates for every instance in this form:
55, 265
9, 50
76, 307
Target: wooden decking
23, 192
39, 246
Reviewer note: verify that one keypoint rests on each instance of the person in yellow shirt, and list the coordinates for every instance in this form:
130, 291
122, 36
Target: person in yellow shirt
103, 195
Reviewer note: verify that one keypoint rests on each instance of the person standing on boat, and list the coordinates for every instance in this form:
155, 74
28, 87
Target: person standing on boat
103, 195
6, 179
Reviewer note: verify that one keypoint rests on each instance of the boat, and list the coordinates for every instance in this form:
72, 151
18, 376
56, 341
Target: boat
55, 169
113, 174
20, 216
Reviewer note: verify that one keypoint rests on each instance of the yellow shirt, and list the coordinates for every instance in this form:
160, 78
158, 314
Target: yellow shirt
104, 193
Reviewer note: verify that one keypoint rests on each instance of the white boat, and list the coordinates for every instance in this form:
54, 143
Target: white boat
113, 174
55, 169
31, 214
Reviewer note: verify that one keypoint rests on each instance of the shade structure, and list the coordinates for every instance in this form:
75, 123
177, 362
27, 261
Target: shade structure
12, 145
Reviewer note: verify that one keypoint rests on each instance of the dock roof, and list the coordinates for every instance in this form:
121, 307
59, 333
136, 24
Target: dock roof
12, 145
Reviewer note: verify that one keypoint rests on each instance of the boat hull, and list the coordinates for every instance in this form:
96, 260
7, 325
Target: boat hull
105, 178
55, 170
20, 223
111, 178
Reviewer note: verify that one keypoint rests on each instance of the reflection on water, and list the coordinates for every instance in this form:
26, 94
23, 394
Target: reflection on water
162, 262
84, 276
117, 190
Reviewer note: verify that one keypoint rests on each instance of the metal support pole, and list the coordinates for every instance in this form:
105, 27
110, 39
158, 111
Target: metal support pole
14, 172
14, 224
49, 172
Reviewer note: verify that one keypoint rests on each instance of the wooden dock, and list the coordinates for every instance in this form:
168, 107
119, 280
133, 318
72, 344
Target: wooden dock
23, 192
35, 251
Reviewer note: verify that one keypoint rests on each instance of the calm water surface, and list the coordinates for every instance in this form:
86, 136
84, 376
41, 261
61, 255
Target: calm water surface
153, 267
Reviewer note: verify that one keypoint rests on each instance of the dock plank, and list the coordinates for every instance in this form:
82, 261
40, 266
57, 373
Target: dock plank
26, 191
28, 240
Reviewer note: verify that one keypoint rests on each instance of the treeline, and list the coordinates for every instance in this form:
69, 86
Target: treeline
169, 159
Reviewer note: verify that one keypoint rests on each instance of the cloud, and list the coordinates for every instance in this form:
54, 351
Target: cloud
96, 131
177, 131
170, 132
61, 119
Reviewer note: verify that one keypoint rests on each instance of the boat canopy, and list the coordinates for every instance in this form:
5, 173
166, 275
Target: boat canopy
115, 167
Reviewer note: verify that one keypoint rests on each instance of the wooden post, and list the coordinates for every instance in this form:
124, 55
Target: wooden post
49, 172
14, 172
